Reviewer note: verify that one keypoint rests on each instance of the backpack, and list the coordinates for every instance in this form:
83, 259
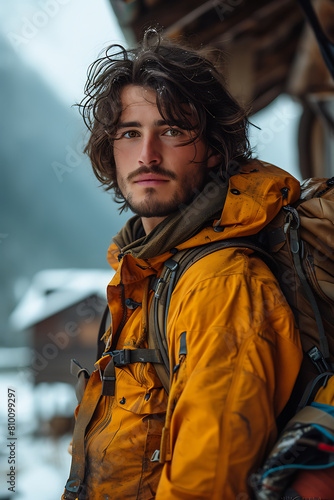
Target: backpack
305, 445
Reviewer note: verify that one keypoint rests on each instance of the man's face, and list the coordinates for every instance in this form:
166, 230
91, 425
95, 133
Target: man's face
156, 171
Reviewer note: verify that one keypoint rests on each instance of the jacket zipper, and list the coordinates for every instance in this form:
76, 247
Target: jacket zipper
106, 417
140, 373
101, 425
121, 325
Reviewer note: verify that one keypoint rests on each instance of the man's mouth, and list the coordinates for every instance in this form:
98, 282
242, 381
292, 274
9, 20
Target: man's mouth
150, 179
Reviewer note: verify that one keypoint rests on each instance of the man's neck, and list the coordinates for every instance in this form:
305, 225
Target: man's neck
149, 223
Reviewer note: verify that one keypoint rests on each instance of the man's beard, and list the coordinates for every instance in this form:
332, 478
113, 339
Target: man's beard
153, 207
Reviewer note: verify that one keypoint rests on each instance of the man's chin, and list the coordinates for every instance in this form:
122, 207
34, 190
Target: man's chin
149, 214
153, 208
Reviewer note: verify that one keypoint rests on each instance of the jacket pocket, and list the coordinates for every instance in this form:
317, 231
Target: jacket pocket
136, 397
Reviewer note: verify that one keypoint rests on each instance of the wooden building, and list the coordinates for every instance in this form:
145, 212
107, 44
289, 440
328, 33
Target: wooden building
269, 48
62, 311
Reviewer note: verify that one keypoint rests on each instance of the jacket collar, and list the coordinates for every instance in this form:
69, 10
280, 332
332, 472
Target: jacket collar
254, 197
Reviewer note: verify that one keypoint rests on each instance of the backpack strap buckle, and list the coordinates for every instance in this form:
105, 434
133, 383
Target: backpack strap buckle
292, 216
318, 360
121, 357
73, 485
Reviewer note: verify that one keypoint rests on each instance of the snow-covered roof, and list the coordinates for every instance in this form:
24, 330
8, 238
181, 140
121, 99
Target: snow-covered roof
54, 290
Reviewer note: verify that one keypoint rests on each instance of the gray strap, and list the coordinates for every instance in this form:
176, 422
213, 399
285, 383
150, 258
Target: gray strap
183, 344
109, 379
197, 253
160, 314
182, 351
77, 471
76, 369
310, 389
125, 357
295, 249
82, 375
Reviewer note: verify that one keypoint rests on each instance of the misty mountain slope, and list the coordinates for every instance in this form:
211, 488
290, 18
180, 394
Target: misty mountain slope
53, 213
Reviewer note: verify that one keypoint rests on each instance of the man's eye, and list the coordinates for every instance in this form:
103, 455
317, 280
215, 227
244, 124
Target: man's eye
130, 134
173, 132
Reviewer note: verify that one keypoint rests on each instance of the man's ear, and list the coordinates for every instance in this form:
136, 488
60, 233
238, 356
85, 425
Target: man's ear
214, 160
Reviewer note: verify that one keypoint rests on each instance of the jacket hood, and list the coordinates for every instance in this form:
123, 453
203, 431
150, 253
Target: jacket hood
253, 198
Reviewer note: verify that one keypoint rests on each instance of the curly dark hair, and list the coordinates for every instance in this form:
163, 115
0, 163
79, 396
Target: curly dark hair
179, 76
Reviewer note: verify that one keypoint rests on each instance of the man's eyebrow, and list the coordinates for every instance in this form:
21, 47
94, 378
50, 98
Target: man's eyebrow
157, 123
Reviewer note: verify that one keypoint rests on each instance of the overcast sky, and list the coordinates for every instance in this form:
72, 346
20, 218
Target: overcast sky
60, 38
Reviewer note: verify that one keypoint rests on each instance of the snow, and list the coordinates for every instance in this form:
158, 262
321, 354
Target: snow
46, 478
42, 462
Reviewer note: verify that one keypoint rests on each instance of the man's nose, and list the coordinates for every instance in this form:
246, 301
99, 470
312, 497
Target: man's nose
150, 152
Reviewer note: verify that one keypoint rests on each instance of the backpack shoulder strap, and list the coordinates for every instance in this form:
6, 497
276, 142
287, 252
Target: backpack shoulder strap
102, 329
163, 288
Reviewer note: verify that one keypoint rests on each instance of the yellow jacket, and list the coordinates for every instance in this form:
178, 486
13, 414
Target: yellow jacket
243, 356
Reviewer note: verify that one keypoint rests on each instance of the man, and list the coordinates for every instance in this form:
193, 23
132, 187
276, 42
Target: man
166, 136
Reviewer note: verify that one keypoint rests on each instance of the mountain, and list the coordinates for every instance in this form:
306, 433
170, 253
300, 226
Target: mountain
53, 212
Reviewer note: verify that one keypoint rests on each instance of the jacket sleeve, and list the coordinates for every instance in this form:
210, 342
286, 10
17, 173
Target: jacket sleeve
243, 356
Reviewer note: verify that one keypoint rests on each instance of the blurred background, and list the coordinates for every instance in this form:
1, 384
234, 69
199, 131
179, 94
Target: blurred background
56, 222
